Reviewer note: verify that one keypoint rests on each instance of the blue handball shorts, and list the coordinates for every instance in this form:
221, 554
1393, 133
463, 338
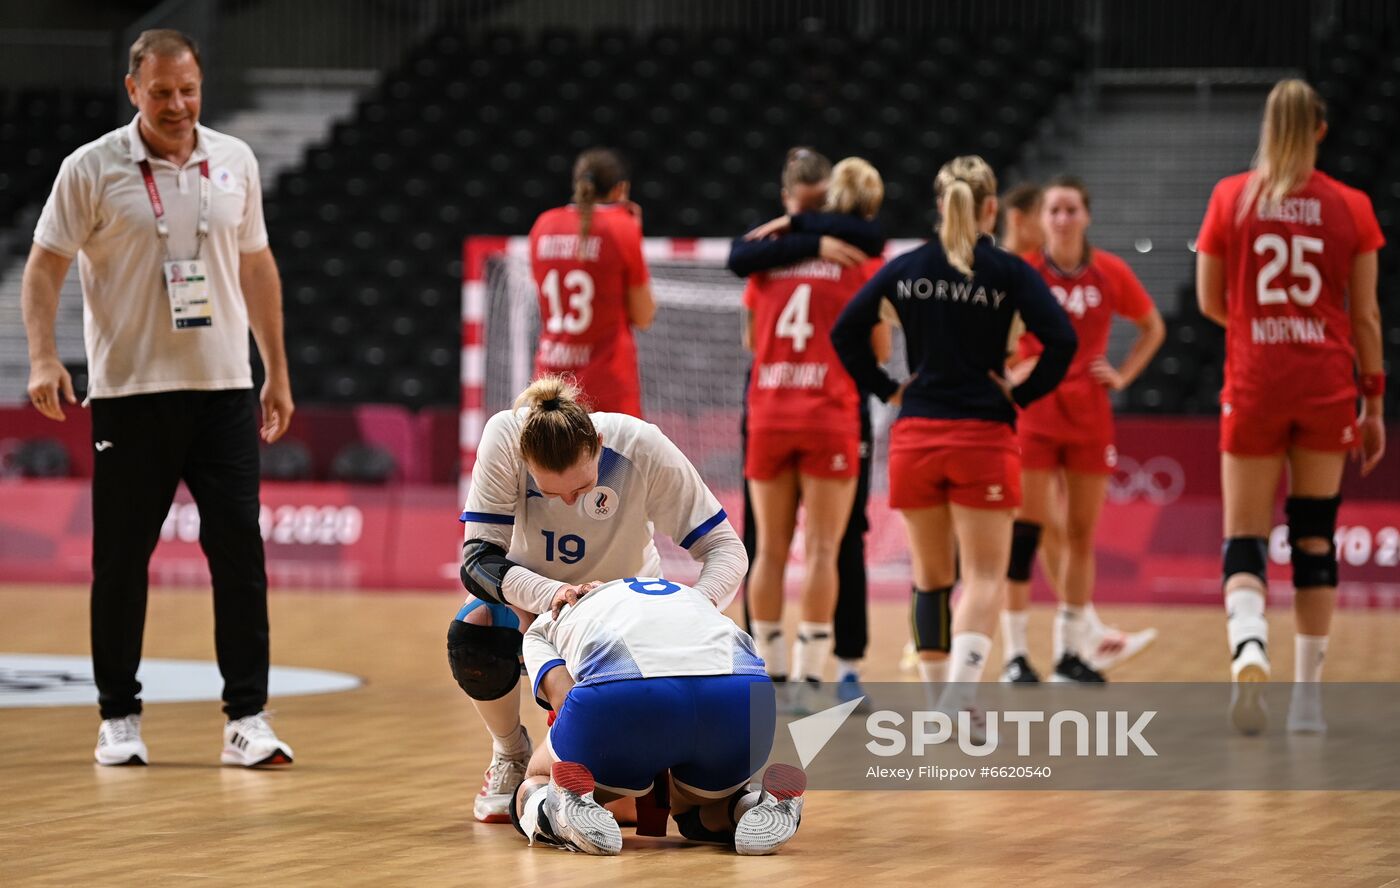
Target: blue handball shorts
712, 731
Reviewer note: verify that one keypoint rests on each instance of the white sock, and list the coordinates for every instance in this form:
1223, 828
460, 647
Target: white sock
933, 671
768, 638
1071, 630
966, 661
515, 744
1093, 617
1244, 609
846, 667
811, 650
1308, 653
1013, 629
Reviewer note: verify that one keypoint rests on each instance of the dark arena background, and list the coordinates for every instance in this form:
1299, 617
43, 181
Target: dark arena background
405, 149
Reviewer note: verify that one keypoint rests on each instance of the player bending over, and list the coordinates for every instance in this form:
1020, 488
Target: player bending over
647, 675
560, 497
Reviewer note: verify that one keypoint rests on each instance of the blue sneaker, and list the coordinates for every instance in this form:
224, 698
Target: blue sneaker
849, 688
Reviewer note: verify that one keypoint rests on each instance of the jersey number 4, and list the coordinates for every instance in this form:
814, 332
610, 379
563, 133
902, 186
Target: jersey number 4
793, 323
579, 286
1300, 268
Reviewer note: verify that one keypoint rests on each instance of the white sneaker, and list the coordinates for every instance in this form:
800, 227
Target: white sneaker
1305, 710
769, 825
1109, 646
119, 742
250, 742
1248, 711
499, 783
575, 816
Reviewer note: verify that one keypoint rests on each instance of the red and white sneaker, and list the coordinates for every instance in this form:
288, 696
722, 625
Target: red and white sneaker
1110, 647
575, 815
771, 823
499, 784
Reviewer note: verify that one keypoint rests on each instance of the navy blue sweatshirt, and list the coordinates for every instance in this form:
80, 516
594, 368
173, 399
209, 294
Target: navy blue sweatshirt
803, 241
955, 331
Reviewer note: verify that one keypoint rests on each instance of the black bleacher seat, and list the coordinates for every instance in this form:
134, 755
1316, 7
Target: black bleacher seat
476, 133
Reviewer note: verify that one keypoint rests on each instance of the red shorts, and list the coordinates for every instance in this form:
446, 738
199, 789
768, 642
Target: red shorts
1089, 457
771, 452
970, 462
1257, 431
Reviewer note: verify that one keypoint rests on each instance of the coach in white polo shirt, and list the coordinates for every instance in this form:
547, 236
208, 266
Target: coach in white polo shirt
165, 218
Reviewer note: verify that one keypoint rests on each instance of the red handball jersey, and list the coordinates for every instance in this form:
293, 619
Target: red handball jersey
798, 383
1288, 339
1079, 408
584, 329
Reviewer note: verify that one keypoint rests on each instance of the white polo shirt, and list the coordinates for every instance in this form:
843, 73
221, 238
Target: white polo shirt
100, 212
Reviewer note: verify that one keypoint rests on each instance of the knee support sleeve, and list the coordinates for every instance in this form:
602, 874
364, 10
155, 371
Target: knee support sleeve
1313, 518
1025, 539
933, 619
1246, 555
485, 660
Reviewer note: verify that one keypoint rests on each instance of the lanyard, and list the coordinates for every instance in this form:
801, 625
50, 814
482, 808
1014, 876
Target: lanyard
158, 207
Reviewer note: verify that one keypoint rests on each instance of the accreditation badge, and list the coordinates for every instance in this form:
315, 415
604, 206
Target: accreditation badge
187, 285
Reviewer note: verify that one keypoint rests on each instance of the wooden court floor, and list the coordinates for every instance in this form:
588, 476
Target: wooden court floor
381, 792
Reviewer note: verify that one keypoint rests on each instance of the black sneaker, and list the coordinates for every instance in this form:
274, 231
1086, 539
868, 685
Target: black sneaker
1071, 668
1019, 671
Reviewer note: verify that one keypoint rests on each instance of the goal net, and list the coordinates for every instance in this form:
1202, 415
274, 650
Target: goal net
693, 368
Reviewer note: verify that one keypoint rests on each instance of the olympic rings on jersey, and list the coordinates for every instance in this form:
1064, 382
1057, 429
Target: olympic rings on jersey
1160, 480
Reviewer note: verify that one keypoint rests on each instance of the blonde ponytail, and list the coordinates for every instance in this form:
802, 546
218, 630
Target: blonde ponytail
963, 185
557, 431
1287, 152
856, 189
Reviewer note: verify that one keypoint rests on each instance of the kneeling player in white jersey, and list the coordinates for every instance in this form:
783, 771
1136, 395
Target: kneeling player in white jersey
647, 676
560, 497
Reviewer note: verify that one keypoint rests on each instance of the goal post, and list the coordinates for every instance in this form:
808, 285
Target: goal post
692, 364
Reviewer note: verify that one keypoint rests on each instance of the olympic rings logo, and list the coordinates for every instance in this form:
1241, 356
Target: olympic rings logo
1160, 480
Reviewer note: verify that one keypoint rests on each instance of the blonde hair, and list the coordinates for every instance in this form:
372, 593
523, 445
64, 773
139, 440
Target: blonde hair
557, 431
1287, 150
805, 166
963, 185
856, 188
596, 173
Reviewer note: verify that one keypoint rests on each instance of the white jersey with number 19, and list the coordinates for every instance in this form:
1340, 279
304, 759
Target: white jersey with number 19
645, 484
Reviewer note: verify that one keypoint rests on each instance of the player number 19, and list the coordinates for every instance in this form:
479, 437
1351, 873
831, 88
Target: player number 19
1300, 267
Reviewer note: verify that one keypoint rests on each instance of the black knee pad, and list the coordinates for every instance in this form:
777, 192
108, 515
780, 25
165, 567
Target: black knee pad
485, 660
933, 619
1312, 518
1246, 555
692, 828
1025, 539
